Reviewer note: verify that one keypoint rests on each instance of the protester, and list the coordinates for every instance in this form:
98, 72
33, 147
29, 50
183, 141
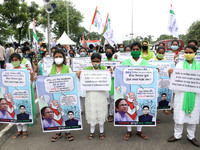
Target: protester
7, 53
2, 56
145, 52
127, 49
95, 109
186, 104
160, 53
136, 60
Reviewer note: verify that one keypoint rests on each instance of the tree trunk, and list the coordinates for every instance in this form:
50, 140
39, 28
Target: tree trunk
20, 35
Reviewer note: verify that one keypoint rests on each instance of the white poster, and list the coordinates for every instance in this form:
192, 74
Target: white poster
80, 63
170, 56
47, 65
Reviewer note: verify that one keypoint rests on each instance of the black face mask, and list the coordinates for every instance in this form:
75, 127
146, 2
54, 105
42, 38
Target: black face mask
109, 55
144, 47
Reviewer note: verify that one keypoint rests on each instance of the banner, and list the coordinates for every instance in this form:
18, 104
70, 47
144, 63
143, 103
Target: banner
47, 65
181, 57
185, 80
15, 94
80, 63
59, 102
165, 95
95, 80
135, 94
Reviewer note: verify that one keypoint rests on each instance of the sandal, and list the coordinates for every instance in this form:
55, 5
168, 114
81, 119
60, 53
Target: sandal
91, 136
101, 136
157, 120
127, 136
25, 134
17, 134
69, 136
166, 112
110, 118
142, 135
56, 137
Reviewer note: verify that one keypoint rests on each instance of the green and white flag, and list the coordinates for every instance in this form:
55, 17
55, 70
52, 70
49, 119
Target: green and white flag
35, 38
97, 20
108, 32
172, 24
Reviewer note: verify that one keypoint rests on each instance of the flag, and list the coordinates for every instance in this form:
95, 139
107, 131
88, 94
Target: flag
35, 38
108, 32
97, 20
80, 41
52, 42
172, 25
84, 42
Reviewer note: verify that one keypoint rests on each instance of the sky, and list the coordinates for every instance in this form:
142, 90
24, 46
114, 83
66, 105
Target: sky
150, 17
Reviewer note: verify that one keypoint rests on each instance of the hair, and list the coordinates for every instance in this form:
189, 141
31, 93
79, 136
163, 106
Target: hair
25, 48
118, 101
161, 43
70, 112
44, 53
91, 46
43, 110
1, 99
126, 47
16, 55
60, 52
164, 94
145, 41
22, 106
55, 47
72, 51
135, 44
120, 45
191, 47
26, 43
95, 55
174, 41
10, 44
110, 47
6, 45
83, 48
193, 41
145, 106
160, 47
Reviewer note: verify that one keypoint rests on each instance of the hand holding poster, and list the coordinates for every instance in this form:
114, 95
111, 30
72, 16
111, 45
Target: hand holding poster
95, 80
185, 80
81, 63
15, 102
47, 65
111, 64
135, 95
59, 102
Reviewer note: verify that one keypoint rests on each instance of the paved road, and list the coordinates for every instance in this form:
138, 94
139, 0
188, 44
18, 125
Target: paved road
113, 141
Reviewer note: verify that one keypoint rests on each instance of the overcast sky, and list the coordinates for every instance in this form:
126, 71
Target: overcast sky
150, 17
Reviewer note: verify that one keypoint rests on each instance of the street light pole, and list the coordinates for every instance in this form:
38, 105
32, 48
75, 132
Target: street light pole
132, 21
48, 32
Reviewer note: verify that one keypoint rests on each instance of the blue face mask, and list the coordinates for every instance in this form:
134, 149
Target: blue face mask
26, 56
71, 55
174, 47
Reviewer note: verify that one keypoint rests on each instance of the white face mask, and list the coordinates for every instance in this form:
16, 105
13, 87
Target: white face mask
83, 54
58, 61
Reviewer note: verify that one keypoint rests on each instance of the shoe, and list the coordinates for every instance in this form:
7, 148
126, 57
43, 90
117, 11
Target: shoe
195, 142
157, 120
142, 135
172, 139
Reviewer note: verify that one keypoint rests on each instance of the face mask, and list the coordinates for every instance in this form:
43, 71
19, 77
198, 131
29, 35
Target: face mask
82, 54
58, 61
144, 47
174, 47
96, 65
16, 64
21, 55
121, 49
189, 56
71, 55
135, 54
160, 56
108, 55
26, 56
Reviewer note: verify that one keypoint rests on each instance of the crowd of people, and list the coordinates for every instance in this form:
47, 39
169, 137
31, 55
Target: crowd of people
97, 111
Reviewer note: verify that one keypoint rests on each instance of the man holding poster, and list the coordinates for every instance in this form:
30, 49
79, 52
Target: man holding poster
186, 104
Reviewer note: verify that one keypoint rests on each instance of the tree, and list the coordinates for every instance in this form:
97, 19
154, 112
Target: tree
164, 37
193, 31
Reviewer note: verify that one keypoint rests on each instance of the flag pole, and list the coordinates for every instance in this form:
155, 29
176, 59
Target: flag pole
103, 32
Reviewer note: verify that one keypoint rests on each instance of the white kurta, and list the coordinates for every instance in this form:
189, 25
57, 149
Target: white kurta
180, 117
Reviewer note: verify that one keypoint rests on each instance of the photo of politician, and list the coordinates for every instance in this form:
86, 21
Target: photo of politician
23, 115
71, 121
164, 103
145, 117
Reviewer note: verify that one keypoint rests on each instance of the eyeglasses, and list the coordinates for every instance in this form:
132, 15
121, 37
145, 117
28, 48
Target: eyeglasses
123, 105
4, 104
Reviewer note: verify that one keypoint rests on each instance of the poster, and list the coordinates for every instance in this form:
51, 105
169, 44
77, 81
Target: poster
95, 80
123, 56
135, 95
185, 80
59, 102
181, 57
47, 65
80, 63
165, 95
169, 56
15, 94
111, 64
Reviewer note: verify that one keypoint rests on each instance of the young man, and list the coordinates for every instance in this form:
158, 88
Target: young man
71, 121
136, 60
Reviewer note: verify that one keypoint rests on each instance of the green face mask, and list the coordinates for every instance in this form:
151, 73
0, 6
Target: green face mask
135, 54
16, 64
160, 56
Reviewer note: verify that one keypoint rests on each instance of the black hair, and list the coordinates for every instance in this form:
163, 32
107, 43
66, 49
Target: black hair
110, 47
106, 45
10, 44
174, 41
118, 101
164, 94
160, 47
22, 106
55, 47
95, 55
126, 47
43, 110
1, 99
26, 43
135, 44
145, 41
145, 106
193, 41
25, 48
16, 55
70, 112
91, 46
72, 51
83, 48
161, 43
120, 45
6, 45
191, 47
44, 53
63, 54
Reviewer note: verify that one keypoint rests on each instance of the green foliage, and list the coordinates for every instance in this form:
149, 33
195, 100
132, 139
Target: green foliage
193, 31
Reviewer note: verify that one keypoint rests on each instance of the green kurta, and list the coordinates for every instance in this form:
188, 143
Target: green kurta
129, 62
65, 69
